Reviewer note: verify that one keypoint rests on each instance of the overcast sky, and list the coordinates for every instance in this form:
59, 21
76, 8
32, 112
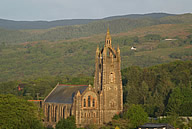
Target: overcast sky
87, 9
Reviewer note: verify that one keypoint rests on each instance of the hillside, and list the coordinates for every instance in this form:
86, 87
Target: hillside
93, 28
135, 16
76, 56
17, 25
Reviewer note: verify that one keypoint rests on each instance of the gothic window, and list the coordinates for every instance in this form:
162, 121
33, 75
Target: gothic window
85, 114
89, 101
84, 102
93, 103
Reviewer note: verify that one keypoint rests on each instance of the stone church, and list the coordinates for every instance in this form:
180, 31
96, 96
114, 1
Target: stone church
95, 104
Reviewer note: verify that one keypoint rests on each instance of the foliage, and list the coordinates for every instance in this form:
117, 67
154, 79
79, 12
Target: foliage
136, 115
18, 113
174, 120
116, 117
154, 87
180, 102
39, 88
68, 123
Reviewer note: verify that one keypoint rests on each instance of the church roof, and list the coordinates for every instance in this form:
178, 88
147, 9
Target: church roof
64, 93
156, 125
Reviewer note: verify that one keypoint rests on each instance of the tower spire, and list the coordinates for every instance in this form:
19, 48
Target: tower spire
108, 33
108, 38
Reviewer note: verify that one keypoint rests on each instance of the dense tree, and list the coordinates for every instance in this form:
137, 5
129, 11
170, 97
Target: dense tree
180, 102
153, 86
16, 113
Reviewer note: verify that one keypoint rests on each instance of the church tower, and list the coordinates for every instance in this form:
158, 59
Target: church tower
107, 81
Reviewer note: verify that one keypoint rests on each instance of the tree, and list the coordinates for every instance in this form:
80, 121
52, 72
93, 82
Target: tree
18, 113
144, 91
136, 115
68, 123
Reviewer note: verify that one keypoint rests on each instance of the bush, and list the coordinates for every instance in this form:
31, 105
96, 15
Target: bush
68, 123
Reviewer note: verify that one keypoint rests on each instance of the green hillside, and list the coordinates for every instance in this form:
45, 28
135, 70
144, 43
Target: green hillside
76, 57
120, 25
70, 50
18, 25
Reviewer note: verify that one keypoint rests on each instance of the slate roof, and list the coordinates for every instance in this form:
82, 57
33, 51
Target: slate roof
64, 93
156, 125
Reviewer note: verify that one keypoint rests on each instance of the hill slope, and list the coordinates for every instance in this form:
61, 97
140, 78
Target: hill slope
76, 56
16, 25
96, 27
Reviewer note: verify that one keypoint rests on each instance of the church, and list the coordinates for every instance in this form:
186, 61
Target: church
95, 104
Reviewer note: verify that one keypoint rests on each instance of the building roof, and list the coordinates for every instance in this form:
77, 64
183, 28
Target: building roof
156, 125
64, 93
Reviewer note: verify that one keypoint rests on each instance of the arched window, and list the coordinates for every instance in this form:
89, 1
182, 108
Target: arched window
84, 103
93, 103
89, 101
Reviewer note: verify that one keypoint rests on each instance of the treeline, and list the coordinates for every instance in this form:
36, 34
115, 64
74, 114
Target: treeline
39, 88
161, 89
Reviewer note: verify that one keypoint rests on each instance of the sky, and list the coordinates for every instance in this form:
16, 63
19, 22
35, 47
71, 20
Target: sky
32, 10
